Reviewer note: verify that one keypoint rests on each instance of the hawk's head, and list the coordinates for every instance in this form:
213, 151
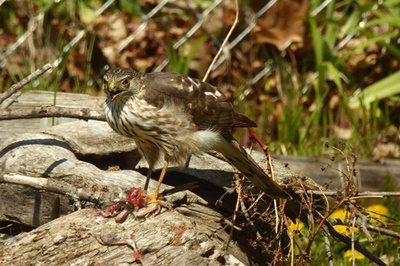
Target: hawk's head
121, 81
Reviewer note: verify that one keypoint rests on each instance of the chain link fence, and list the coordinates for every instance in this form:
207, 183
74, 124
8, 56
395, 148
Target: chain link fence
281, 54
199, 19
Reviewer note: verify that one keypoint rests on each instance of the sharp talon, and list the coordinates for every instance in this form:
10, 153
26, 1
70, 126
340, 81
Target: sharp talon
154, 198
151, 210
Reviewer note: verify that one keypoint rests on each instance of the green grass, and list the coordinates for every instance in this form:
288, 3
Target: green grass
179, 62
307, 119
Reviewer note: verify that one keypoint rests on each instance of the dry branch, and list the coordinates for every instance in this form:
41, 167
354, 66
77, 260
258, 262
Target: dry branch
356, 195
50, 185
16, 87
370, 227
10, 100
235, 22
52, 111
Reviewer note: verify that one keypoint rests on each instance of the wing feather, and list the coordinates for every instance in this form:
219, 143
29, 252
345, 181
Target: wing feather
208, 107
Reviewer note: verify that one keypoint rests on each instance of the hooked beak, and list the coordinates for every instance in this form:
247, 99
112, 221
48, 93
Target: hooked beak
112, 90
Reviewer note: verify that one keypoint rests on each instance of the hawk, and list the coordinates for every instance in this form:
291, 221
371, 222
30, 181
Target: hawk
171, 117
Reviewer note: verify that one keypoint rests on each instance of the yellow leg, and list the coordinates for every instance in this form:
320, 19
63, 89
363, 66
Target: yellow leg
153, 197
146, 185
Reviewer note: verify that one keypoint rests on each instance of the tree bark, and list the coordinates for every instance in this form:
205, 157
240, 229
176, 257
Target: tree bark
47, 179
189, 235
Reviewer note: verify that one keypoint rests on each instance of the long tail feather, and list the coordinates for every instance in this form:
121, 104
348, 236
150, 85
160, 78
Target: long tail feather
237, 156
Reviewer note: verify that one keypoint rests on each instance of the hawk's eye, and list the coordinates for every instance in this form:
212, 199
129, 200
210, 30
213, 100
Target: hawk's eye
125, 83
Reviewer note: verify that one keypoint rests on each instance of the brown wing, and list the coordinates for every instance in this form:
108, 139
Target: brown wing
208, 107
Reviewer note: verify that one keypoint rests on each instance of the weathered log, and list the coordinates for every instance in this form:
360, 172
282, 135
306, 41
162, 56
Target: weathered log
46, 175
190, 235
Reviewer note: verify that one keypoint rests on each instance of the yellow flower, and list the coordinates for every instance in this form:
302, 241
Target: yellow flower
378, 212
340, 213
357, 255
298, 226
343, 229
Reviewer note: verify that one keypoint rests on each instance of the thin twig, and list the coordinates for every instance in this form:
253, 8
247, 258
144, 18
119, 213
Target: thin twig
327, 245
363, 224
353, 259
275, 201
383, 231
229, 223
10, 100
235, 22
52, 111
254, 136
291, 240
245, 212
16, 87
374, 228
239, 195
357, 195
265, 148
320, 224
127, 242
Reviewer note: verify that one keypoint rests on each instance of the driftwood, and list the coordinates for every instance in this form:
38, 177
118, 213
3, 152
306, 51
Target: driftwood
45, 176
190, 235
48, 163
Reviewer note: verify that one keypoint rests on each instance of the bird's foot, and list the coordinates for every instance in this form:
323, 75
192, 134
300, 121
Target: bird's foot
154, 198
155, 203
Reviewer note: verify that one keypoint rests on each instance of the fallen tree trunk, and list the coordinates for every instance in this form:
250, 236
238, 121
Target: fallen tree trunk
48, 177
190, 235
57, 180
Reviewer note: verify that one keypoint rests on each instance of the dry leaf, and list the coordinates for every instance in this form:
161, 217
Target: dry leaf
282, 24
